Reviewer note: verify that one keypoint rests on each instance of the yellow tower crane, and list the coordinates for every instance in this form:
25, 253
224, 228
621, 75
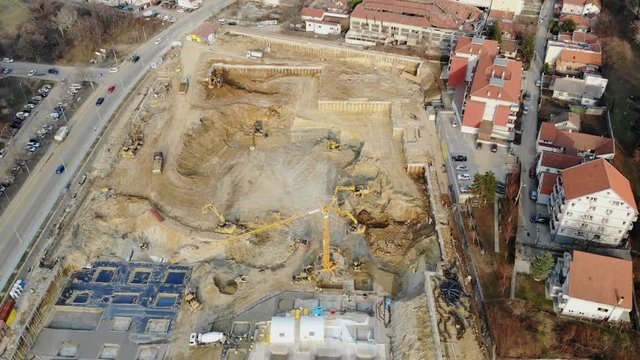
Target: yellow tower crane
224, 226
327, 264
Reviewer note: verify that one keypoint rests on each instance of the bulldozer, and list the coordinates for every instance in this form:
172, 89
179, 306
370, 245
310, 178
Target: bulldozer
333, 145
191, 299
224, 226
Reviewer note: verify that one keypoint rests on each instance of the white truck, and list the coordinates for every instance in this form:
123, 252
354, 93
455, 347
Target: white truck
61, 134
255, 54
207, 339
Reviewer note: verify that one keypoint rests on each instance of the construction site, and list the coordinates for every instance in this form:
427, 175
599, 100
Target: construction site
301, 169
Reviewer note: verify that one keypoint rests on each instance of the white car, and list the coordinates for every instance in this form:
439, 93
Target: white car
180, 10
54, 115
462, 168
7, 60
75, 86
31, 73
113, 70
158, 41
464, 176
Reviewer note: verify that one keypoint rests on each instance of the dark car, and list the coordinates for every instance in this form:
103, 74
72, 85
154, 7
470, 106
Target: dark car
459, 158
539, 219
60, 169
54, 71
135, 58
526, 96
16, 125
500, 188
478, 146
494, 148
99, 101
532, 172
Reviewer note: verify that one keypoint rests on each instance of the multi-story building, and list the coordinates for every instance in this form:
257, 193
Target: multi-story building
592, 286
486, 89
586, 146
573, 53
401, 22
325, 21
548, 169
592, 203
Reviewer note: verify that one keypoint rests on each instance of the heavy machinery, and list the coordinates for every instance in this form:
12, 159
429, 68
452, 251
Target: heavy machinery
225, 226
215, 79
191, 298
358, 190
333, 145
356, 227
327, 263
207, 339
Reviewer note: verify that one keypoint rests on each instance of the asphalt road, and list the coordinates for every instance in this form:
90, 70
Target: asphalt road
527, 149
29, 208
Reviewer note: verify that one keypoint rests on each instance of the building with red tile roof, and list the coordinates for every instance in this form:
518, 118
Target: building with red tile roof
574, 143
545, 187
491, 87
411, 23
592, 286
592, 202
574, 51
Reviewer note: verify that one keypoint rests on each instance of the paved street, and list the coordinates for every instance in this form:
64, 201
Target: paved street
29, 208
526, 150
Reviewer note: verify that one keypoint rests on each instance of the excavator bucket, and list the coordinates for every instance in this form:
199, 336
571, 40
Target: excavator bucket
228, 228
357, 229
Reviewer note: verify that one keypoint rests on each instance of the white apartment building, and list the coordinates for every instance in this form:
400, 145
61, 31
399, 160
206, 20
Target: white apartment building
592, 286
592, 203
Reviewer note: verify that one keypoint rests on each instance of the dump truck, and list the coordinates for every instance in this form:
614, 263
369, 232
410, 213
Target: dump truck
61, 134
207, 339
184, 85
157, 162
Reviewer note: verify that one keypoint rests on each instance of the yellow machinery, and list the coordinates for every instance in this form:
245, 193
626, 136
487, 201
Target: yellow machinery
225, 226
327, 264
356, 228
333, 145
358, 190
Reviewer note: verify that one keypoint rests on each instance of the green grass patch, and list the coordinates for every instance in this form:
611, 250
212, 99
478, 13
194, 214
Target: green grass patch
533, 292
13, 13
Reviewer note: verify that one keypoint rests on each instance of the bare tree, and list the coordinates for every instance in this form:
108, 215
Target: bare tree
636, 31
64, 19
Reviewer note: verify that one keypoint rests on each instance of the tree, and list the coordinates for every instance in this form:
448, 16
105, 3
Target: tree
568, 26
484, 187
528, 47
545, 68
553, 27
354, 3
542, 266
495, 32
64, 19
636, 31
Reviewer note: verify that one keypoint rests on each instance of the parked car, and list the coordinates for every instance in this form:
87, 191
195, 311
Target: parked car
158, 41
60, 169
113, 70
111, 89
454, 123
538, 83
54, 71
478, 146
494, 148
539, 219
462, 168
465, 188
525, 109
459, 158
526, 96
533, 195
31, 73
99, 101
532, 172
7, 60
7, 70
464, 176
29, 107
135, 58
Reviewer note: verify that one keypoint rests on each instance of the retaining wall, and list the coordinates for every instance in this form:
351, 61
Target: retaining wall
271, 69
354, 106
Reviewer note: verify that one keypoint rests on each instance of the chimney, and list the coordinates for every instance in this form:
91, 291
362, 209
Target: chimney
620, 300
493, 72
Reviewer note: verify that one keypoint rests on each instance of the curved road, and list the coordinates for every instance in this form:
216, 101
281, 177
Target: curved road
29, 208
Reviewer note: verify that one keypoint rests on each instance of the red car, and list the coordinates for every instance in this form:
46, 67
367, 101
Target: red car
111, 89
532, 172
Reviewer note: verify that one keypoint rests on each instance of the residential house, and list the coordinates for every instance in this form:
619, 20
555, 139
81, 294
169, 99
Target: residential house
573, 61
581, 7
578, 42
587, 91
486, 89
189, 4
592, 286
548, 168
323, 22
509, 48
435, 24
568, 121
514, 6
592, 203
583, 23
205, 33
574, 143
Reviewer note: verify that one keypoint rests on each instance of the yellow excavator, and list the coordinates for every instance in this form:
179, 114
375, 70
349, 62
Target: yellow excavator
356, 227
224, 226
358, 190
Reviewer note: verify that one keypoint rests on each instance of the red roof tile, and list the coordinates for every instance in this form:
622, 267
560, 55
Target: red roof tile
473, 114
559, 161
501, 116
312, 13
510, 76
205, 29
601, 279
595, 176
580, 57
574, 142
546, 182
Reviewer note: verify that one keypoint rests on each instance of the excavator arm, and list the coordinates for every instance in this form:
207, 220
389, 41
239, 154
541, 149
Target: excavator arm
226, 226
356, 227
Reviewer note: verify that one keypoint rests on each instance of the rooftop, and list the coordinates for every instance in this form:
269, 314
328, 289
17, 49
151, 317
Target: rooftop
441, 14
546, 182
595, 176
601, 279
205, 29
575, 142
559, 161
580, 57
490, 68
465, 49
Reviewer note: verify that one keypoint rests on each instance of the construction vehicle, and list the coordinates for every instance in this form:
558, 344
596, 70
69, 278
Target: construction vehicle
333, 145
61, 134
191, 299
215, 79
157, 162
258, 129
225, 226
327, 263
184, 86
356, 227
358, 190
134, 142
207, 339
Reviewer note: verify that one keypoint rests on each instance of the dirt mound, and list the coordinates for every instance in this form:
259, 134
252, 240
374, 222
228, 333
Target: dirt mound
262, 251
226, 283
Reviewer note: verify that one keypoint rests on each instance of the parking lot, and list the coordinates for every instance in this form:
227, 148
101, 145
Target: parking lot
478, 160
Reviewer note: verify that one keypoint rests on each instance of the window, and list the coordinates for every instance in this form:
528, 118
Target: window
584, 226
569, 213
605, 220
588, 217
609, 212
600, 228
591, 208
596, 237
603, 309
592, 199
579, 233
624, 223
615, 203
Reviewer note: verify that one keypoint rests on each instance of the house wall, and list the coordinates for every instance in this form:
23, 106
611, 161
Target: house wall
189, 4
322, 28
565, 96
572, 9
602, 217
364, 28
591, 310
588, 102
478, 3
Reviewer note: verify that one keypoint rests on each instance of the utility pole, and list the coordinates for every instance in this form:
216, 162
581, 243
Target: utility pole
115, 56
